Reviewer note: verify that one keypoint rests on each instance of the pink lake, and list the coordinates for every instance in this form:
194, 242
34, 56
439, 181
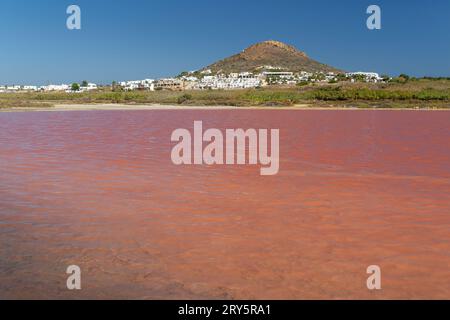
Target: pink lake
98, 189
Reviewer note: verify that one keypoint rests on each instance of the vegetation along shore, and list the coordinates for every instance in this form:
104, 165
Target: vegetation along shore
423, 93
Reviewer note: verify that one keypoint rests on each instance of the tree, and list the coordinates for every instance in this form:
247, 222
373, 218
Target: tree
84, 83
303, 83
75, 87
359, 78
183, 74
341, 77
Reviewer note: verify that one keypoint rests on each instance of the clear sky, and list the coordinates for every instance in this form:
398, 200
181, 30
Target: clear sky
137, 39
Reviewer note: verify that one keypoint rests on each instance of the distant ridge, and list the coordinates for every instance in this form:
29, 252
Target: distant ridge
270, 55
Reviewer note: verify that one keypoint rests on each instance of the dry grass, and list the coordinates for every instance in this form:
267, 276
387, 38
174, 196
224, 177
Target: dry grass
413, 94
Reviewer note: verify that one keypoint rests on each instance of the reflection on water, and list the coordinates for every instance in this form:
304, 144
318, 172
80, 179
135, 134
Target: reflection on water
98, 189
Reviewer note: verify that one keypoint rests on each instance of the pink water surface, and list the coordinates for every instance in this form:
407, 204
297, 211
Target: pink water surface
98, 189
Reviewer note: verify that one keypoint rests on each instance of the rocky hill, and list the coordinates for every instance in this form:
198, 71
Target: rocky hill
270, 55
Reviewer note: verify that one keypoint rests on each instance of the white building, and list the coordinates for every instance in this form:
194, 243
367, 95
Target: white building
281, 74
280, 77
146, 84
17, 88
368, 76
30, 88
170, 84
13, 88
242, 80
90, 87
53, 87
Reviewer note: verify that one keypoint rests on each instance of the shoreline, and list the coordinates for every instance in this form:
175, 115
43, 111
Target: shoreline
140, 107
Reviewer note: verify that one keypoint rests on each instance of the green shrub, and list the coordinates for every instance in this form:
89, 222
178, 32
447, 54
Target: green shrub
184, 98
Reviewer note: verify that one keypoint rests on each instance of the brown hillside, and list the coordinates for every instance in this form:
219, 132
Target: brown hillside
270, 53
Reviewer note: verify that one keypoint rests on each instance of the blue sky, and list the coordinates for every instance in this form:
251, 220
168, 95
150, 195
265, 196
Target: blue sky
136, 39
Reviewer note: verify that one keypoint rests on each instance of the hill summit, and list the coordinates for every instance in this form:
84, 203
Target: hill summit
270, 55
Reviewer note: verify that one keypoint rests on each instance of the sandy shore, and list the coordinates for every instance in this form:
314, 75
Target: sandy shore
92, 107
88, 107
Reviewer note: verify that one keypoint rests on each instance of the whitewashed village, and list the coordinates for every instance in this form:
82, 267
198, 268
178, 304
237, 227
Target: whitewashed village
73, 88
206, 80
